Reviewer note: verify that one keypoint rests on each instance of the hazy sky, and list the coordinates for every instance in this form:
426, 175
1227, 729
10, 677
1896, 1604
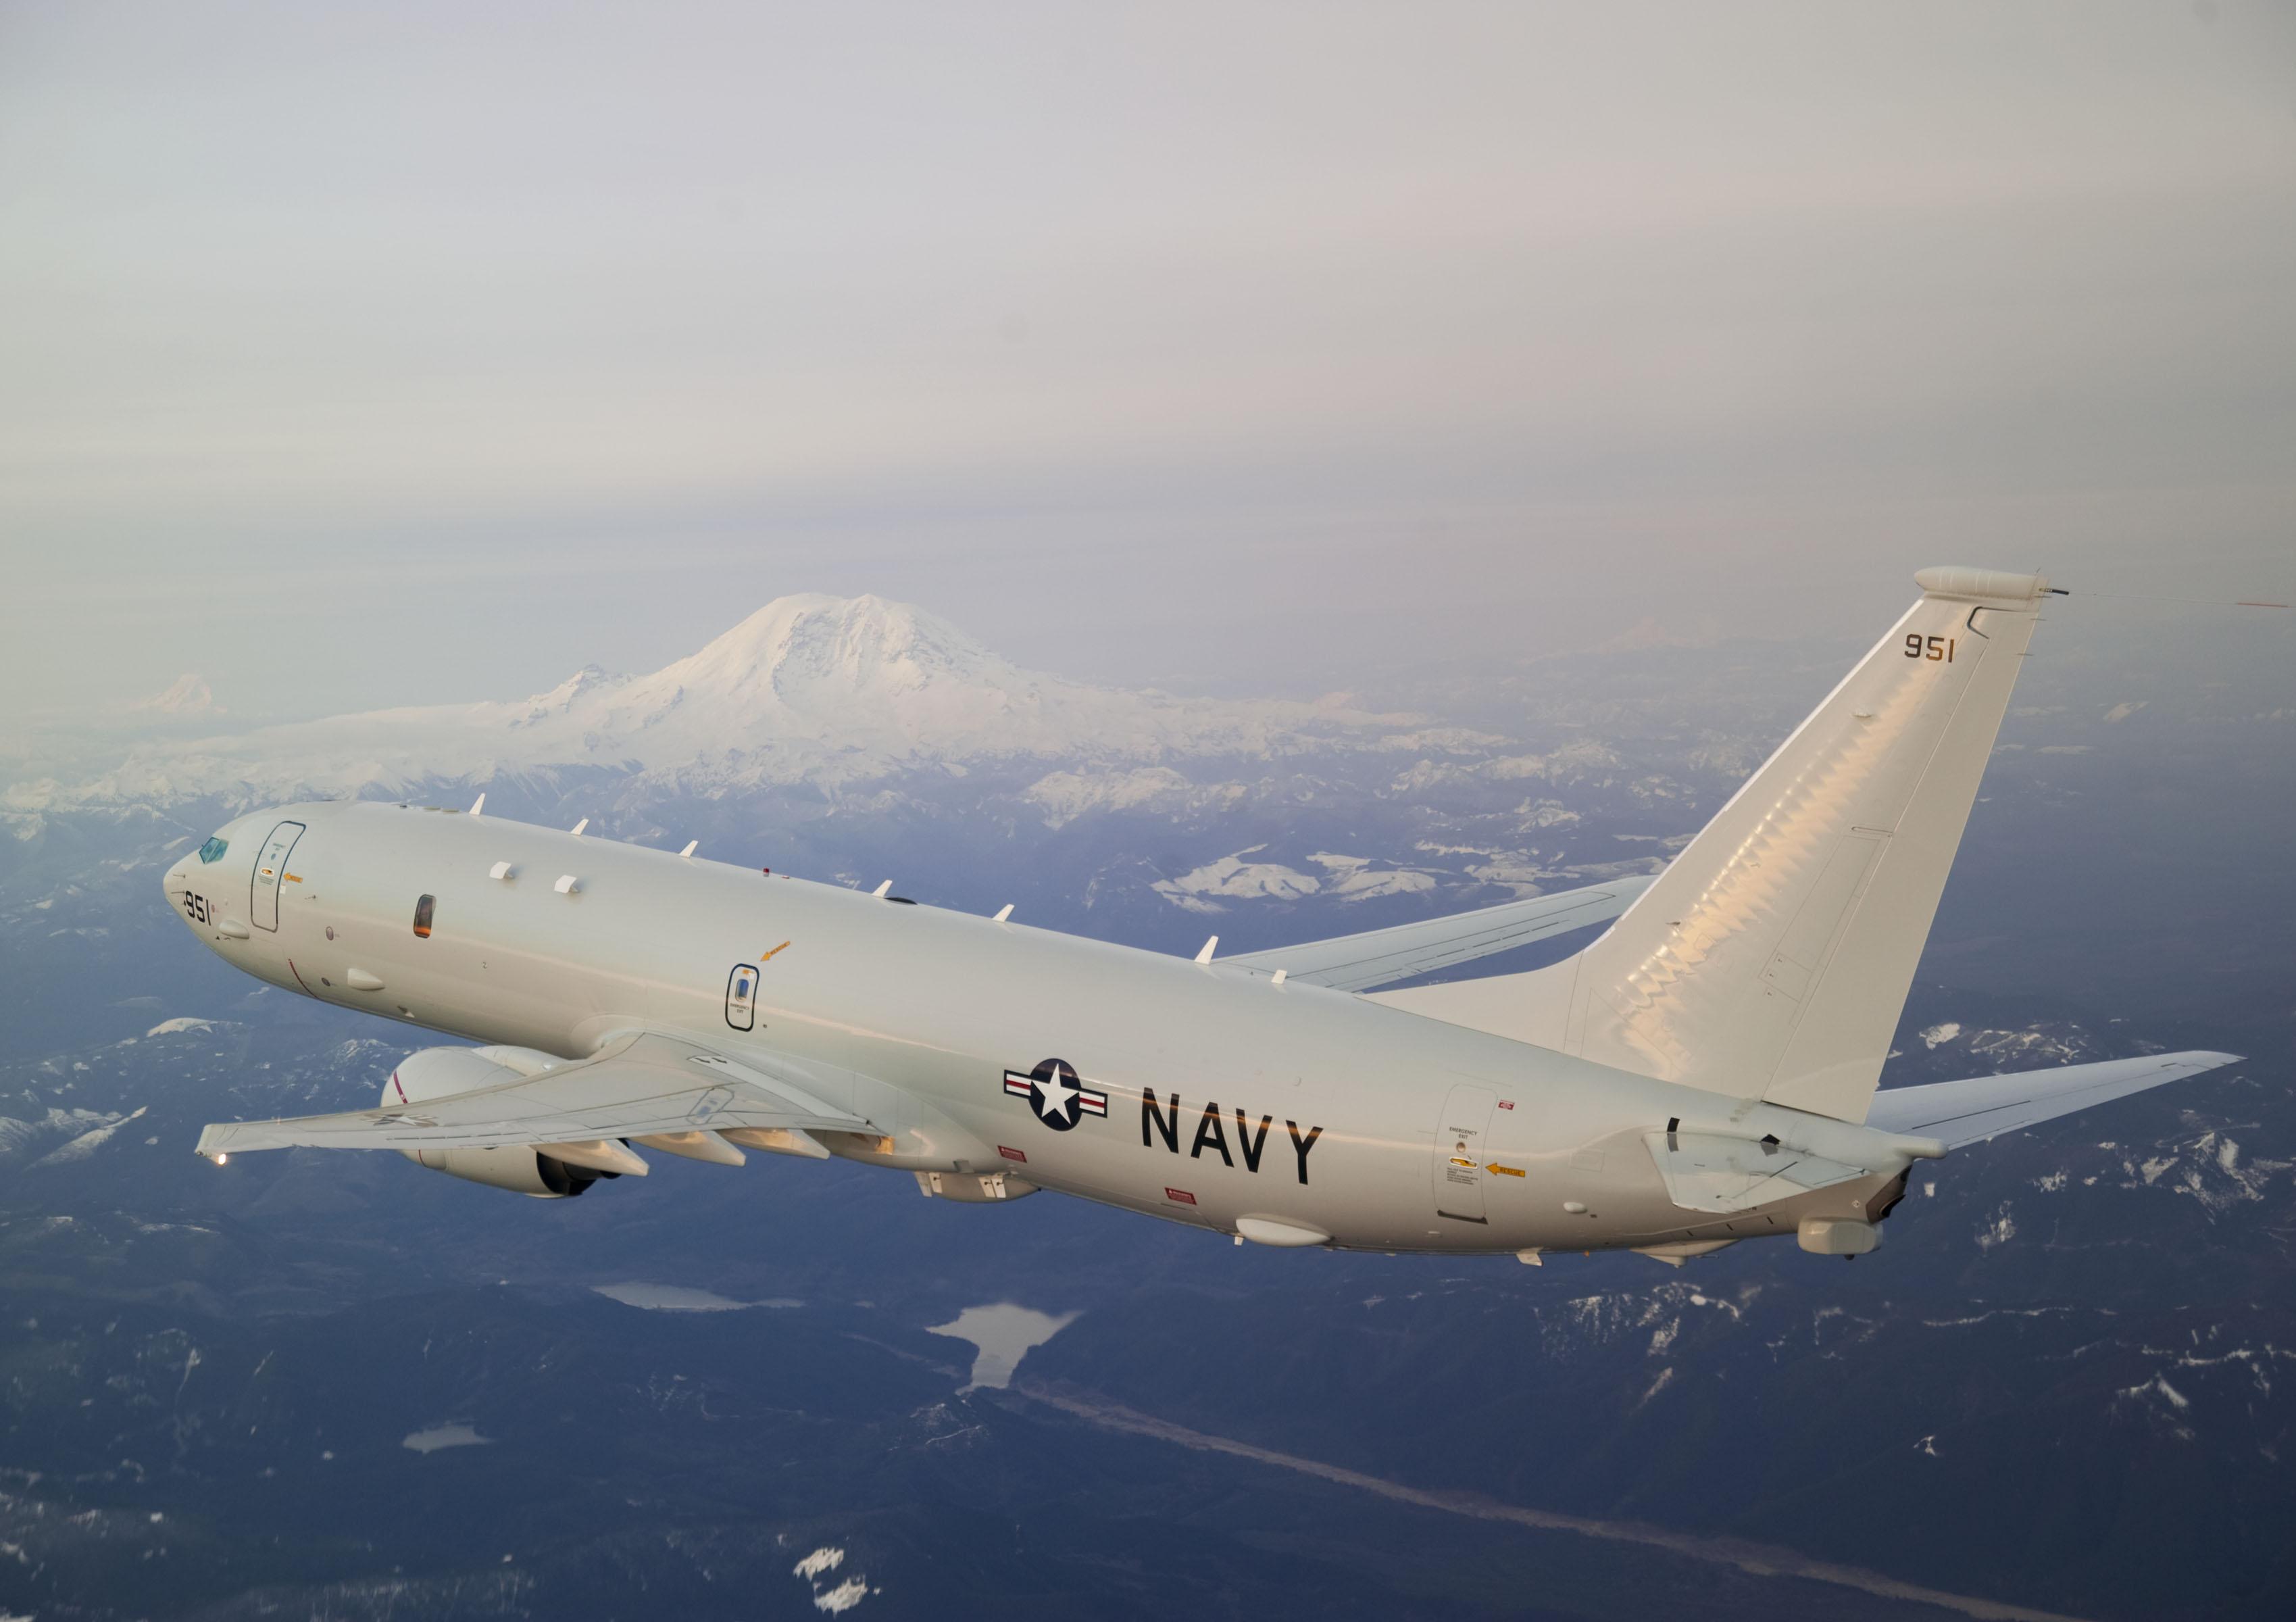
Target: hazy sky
353, 356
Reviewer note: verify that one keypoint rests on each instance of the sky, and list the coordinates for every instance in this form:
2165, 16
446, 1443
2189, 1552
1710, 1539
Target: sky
365, 356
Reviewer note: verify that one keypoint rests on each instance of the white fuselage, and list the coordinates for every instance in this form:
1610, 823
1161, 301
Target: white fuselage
1227, 1095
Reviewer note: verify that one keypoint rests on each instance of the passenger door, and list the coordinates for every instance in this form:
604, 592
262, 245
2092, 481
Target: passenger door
270, 873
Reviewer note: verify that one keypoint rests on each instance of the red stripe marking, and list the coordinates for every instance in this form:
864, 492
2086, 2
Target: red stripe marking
297, 973
1180, 1197
1012, 1154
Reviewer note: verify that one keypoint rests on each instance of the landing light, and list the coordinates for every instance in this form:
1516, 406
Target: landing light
220, 1158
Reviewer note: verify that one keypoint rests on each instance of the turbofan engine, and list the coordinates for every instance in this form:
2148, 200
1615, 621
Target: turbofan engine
434, 1073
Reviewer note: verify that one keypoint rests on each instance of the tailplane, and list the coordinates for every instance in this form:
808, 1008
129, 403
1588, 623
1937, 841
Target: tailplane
1772, 959
1959, 1113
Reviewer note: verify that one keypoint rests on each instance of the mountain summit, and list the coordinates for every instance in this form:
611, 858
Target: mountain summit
819, 667
823, 690
814, 644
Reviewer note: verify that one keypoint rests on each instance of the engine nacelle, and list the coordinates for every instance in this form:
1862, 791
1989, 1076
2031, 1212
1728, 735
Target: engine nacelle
435, 1072
521, 1171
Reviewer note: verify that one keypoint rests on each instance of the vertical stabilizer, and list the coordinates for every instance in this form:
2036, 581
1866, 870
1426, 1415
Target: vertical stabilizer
1772, 959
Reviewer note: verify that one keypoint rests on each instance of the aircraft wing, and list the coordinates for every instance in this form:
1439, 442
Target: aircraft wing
639, 1085
1381, 957
1971, 1111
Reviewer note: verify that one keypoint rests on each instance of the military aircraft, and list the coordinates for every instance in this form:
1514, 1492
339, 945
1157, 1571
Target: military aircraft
1705, 1072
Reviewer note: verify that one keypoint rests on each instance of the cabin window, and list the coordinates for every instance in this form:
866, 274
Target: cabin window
423, 906
213, 850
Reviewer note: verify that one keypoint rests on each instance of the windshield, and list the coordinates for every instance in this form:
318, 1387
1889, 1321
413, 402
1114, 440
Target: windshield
213, 849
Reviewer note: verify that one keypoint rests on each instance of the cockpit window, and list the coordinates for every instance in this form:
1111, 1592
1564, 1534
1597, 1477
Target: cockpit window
422, 907
213, 850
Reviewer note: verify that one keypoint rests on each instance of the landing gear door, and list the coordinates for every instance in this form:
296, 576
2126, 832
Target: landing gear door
270, 873
1462, 1147
742, 997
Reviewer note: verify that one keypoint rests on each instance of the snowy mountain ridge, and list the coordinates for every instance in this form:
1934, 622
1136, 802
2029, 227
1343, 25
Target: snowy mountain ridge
811, 688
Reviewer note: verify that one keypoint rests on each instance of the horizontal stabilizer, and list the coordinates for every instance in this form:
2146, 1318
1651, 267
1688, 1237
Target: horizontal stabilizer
1381, 957
1983, 1107
641, 1085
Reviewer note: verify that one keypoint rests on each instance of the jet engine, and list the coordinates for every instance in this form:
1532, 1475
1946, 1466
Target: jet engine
435, 1072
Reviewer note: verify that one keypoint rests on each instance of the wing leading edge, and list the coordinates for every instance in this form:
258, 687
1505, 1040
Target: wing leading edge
1966, 1112
639, 1085
1381, 957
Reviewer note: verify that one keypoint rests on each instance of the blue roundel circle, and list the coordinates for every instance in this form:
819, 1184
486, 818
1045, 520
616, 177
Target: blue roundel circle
1055, 1094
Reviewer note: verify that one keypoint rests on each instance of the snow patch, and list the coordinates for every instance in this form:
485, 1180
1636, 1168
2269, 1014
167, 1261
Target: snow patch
168, 1027
86, 1143
1355, 878
1064, 797
1233, 879
836, 1601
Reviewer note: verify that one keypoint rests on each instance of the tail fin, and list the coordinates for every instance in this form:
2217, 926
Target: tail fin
1772, 959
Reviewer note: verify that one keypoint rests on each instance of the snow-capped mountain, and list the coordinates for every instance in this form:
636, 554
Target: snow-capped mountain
824, 690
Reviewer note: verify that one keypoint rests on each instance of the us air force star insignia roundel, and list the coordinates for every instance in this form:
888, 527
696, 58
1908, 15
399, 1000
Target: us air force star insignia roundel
1055, 1094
